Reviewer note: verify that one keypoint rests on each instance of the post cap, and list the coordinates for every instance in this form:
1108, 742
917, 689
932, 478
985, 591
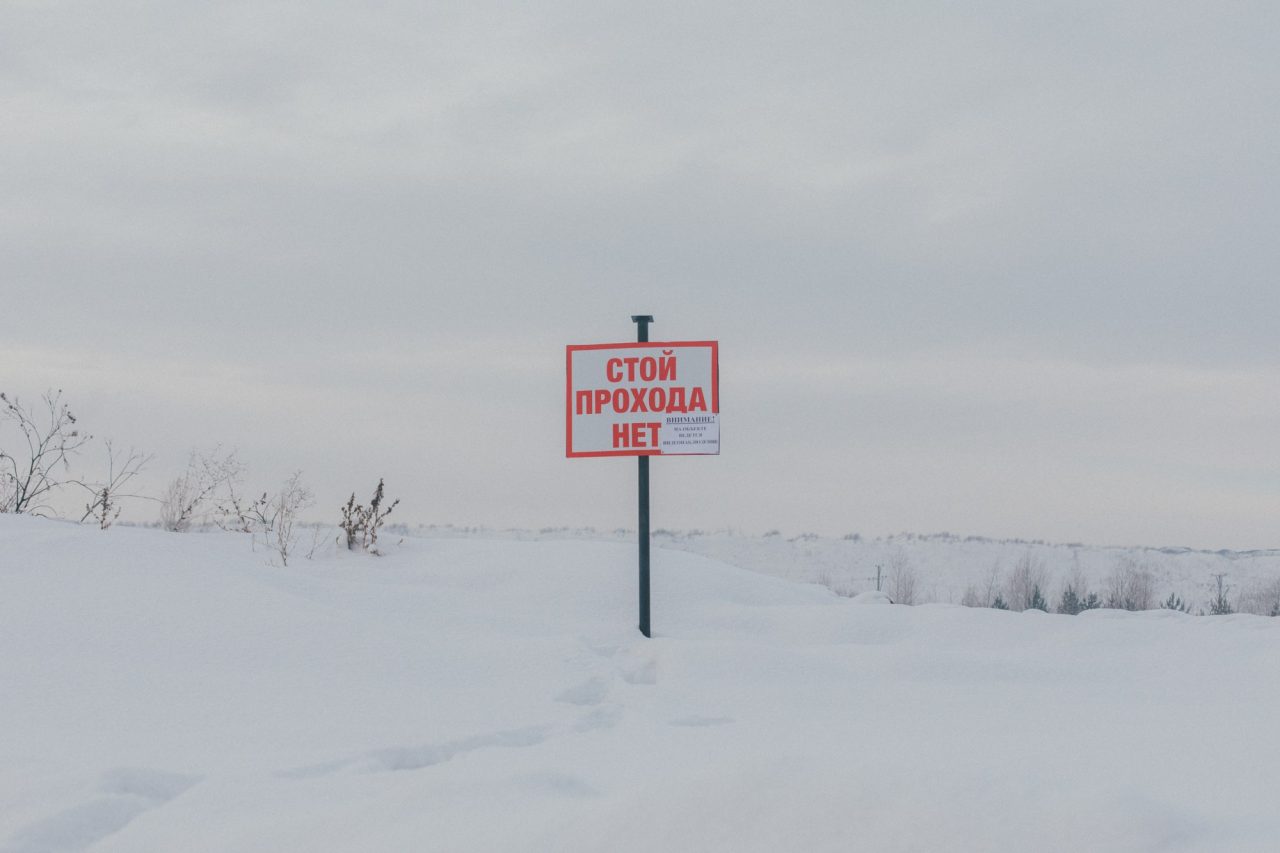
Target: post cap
642, 318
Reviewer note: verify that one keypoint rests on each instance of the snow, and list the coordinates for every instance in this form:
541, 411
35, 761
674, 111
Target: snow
170, 692
946, 565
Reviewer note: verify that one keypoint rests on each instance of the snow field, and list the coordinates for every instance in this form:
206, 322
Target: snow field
172, 692
943, 567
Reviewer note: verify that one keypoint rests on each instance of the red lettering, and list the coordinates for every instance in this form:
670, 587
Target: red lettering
667, 368
653, 434
638, 435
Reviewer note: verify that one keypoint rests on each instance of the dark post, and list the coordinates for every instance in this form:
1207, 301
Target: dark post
642, 322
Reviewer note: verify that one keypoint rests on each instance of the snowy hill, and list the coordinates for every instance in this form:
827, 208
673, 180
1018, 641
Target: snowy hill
168, 692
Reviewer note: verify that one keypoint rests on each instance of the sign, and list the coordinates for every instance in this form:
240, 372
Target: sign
643, 399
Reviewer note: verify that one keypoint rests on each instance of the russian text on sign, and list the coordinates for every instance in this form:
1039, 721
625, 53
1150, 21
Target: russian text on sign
621, 399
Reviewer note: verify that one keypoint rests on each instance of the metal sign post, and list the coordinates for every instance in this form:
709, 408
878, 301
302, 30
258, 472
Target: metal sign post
642, 322
642, 399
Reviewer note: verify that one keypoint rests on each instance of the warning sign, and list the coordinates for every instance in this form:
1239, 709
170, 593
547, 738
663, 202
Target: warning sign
643, 399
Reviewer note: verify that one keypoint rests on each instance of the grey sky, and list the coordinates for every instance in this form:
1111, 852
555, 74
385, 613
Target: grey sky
997, 268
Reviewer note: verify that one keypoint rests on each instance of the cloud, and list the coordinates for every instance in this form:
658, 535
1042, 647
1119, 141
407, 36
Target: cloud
976, 221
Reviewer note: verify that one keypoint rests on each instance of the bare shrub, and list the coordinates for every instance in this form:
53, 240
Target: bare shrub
319, 536
191, 494
1219, 604
1131, 585
1262, 598
902, 578
353, 520
360, 524
274, 518
30, 474
271, 519
233, 511
239, 514
985, 593
1024, 588
106, 494
288, 503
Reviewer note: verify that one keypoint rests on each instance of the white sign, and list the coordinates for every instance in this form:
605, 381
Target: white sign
643, 399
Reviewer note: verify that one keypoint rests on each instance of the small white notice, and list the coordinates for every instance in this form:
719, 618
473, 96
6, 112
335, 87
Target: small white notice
695, 434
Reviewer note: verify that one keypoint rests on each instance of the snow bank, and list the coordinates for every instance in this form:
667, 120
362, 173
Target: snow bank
165, 692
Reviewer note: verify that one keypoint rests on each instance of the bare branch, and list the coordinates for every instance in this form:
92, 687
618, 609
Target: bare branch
189, 494
294, 497
27, 480
104, 506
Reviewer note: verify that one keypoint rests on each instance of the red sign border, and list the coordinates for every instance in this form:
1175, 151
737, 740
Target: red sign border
570, 349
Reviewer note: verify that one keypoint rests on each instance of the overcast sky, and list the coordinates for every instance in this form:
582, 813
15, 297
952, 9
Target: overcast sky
997, 268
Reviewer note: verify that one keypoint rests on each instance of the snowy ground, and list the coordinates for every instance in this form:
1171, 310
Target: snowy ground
163, 692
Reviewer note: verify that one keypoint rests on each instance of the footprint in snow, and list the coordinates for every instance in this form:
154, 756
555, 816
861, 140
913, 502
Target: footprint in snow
598, 719
639, 671
559, 785
123, 794
419, 757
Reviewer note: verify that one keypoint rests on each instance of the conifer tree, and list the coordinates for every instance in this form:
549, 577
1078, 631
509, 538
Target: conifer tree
1037, 601
1070, 603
